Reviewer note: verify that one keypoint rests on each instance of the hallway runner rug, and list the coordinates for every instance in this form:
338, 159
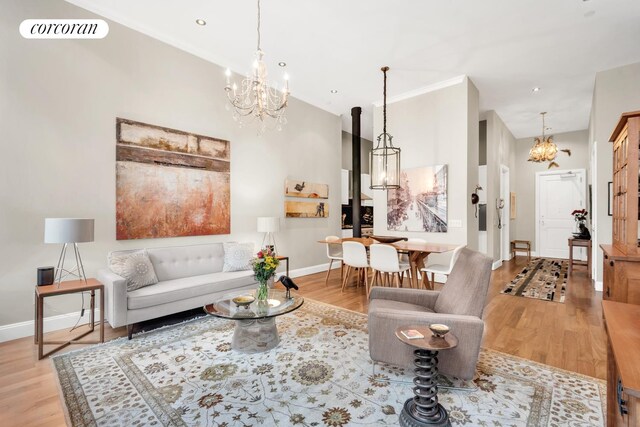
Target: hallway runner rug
319, 375
542, 278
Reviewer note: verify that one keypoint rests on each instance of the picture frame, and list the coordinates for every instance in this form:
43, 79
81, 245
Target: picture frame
610, 198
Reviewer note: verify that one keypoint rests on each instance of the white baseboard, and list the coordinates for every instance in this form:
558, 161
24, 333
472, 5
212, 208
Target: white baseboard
52, 323
311, 269
496, 264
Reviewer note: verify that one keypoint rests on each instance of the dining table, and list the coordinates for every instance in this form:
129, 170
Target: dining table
417, 251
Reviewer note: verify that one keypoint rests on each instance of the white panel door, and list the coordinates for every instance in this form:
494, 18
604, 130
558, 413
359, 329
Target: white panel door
558, 195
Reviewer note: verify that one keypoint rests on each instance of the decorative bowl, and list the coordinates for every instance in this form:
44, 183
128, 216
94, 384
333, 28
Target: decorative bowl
388, 239
243, 300
439, 330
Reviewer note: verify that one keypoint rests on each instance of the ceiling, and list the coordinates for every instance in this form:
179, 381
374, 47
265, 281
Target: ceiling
506, 47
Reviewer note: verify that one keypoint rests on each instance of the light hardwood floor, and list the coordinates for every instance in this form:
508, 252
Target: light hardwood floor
569, 336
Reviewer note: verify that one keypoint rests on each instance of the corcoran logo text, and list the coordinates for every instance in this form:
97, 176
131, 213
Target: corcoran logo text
64, 29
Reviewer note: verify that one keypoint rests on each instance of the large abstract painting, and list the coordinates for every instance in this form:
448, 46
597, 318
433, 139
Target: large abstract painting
420, 204
170, 183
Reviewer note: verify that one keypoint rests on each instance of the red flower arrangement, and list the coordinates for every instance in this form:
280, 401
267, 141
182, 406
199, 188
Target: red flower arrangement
580, 215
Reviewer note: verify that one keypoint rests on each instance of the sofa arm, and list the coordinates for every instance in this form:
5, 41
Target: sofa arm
420, 297
115, 289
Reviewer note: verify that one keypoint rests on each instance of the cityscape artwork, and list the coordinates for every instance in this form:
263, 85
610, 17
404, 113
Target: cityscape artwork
420, 204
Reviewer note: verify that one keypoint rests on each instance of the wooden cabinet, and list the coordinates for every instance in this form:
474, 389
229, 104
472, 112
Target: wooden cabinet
626, 179
621, 276
622, 322
621, 270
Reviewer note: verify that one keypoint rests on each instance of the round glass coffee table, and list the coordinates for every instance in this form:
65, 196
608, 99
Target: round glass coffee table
256, 329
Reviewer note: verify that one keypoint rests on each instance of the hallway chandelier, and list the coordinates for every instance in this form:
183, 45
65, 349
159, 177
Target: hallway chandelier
384, 159
254, 97
544, 149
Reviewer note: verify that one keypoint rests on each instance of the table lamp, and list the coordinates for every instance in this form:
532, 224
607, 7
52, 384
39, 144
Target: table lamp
269, 225
66, 231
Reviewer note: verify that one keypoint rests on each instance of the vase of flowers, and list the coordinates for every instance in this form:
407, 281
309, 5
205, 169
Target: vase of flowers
264, 269
580, 216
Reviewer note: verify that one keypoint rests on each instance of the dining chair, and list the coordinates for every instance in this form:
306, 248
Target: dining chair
439, 263
334, 253
354, 256
384, 260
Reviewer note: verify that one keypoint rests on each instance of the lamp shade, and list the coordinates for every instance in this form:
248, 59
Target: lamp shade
68, 230
268, 224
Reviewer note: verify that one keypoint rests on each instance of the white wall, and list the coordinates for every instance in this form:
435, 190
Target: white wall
437, 128
58, 107
347, 152
525, 174
499, 144
616, 91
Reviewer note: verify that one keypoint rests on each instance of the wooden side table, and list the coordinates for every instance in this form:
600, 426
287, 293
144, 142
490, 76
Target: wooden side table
284, 258
70, 287
423, 409
580, 243
521, 246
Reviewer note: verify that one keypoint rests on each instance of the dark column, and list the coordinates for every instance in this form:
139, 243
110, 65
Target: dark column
356, 170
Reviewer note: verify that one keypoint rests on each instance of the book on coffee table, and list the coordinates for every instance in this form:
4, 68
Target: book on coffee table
412, 334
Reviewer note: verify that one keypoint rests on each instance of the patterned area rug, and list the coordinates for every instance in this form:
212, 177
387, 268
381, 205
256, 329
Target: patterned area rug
319, 375
542, 278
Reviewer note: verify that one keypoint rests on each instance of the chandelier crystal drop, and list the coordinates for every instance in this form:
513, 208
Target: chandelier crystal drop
255, 97
384, 159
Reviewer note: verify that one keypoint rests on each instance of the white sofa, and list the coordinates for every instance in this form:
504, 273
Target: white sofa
188, 277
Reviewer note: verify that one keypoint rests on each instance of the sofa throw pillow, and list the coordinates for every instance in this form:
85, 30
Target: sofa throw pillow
237, 256
136, 267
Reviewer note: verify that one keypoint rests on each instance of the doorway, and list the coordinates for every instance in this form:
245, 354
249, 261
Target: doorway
558, 193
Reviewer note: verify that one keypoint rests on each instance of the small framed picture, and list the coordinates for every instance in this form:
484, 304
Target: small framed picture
610, 199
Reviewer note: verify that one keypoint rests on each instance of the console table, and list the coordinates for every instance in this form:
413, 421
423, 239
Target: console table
70, 287
580, 243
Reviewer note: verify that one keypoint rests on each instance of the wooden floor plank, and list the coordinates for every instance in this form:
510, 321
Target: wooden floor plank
569, 336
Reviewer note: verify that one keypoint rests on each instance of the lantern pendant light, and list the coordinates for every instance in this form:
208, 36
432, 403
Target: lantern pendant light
384, 159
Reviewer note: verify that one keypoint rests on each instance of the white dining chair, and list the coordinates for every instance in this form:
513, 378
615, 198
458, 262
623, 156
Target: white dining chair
334, 253
439, 263
354, 256
384, 260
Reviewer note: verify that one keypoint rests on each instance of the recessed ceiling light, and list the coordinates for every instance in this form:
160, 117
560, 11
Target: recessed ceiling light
535, 89
282, 64
201, 22
334, 90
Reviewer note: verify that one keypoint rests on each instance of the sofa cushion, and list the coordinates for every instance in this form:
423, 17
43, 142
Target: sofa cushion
135, 267
238, 256
188, 287
185, 261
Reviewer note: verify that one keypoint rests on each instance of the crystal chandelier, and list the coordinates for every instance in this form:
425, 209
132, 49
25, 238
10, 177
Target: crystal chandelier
544, 149
384, 159
254, 97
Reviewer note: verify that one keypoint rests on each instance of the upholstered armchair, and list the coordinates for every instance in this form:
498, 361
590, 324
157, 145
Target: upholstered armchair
459, 305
